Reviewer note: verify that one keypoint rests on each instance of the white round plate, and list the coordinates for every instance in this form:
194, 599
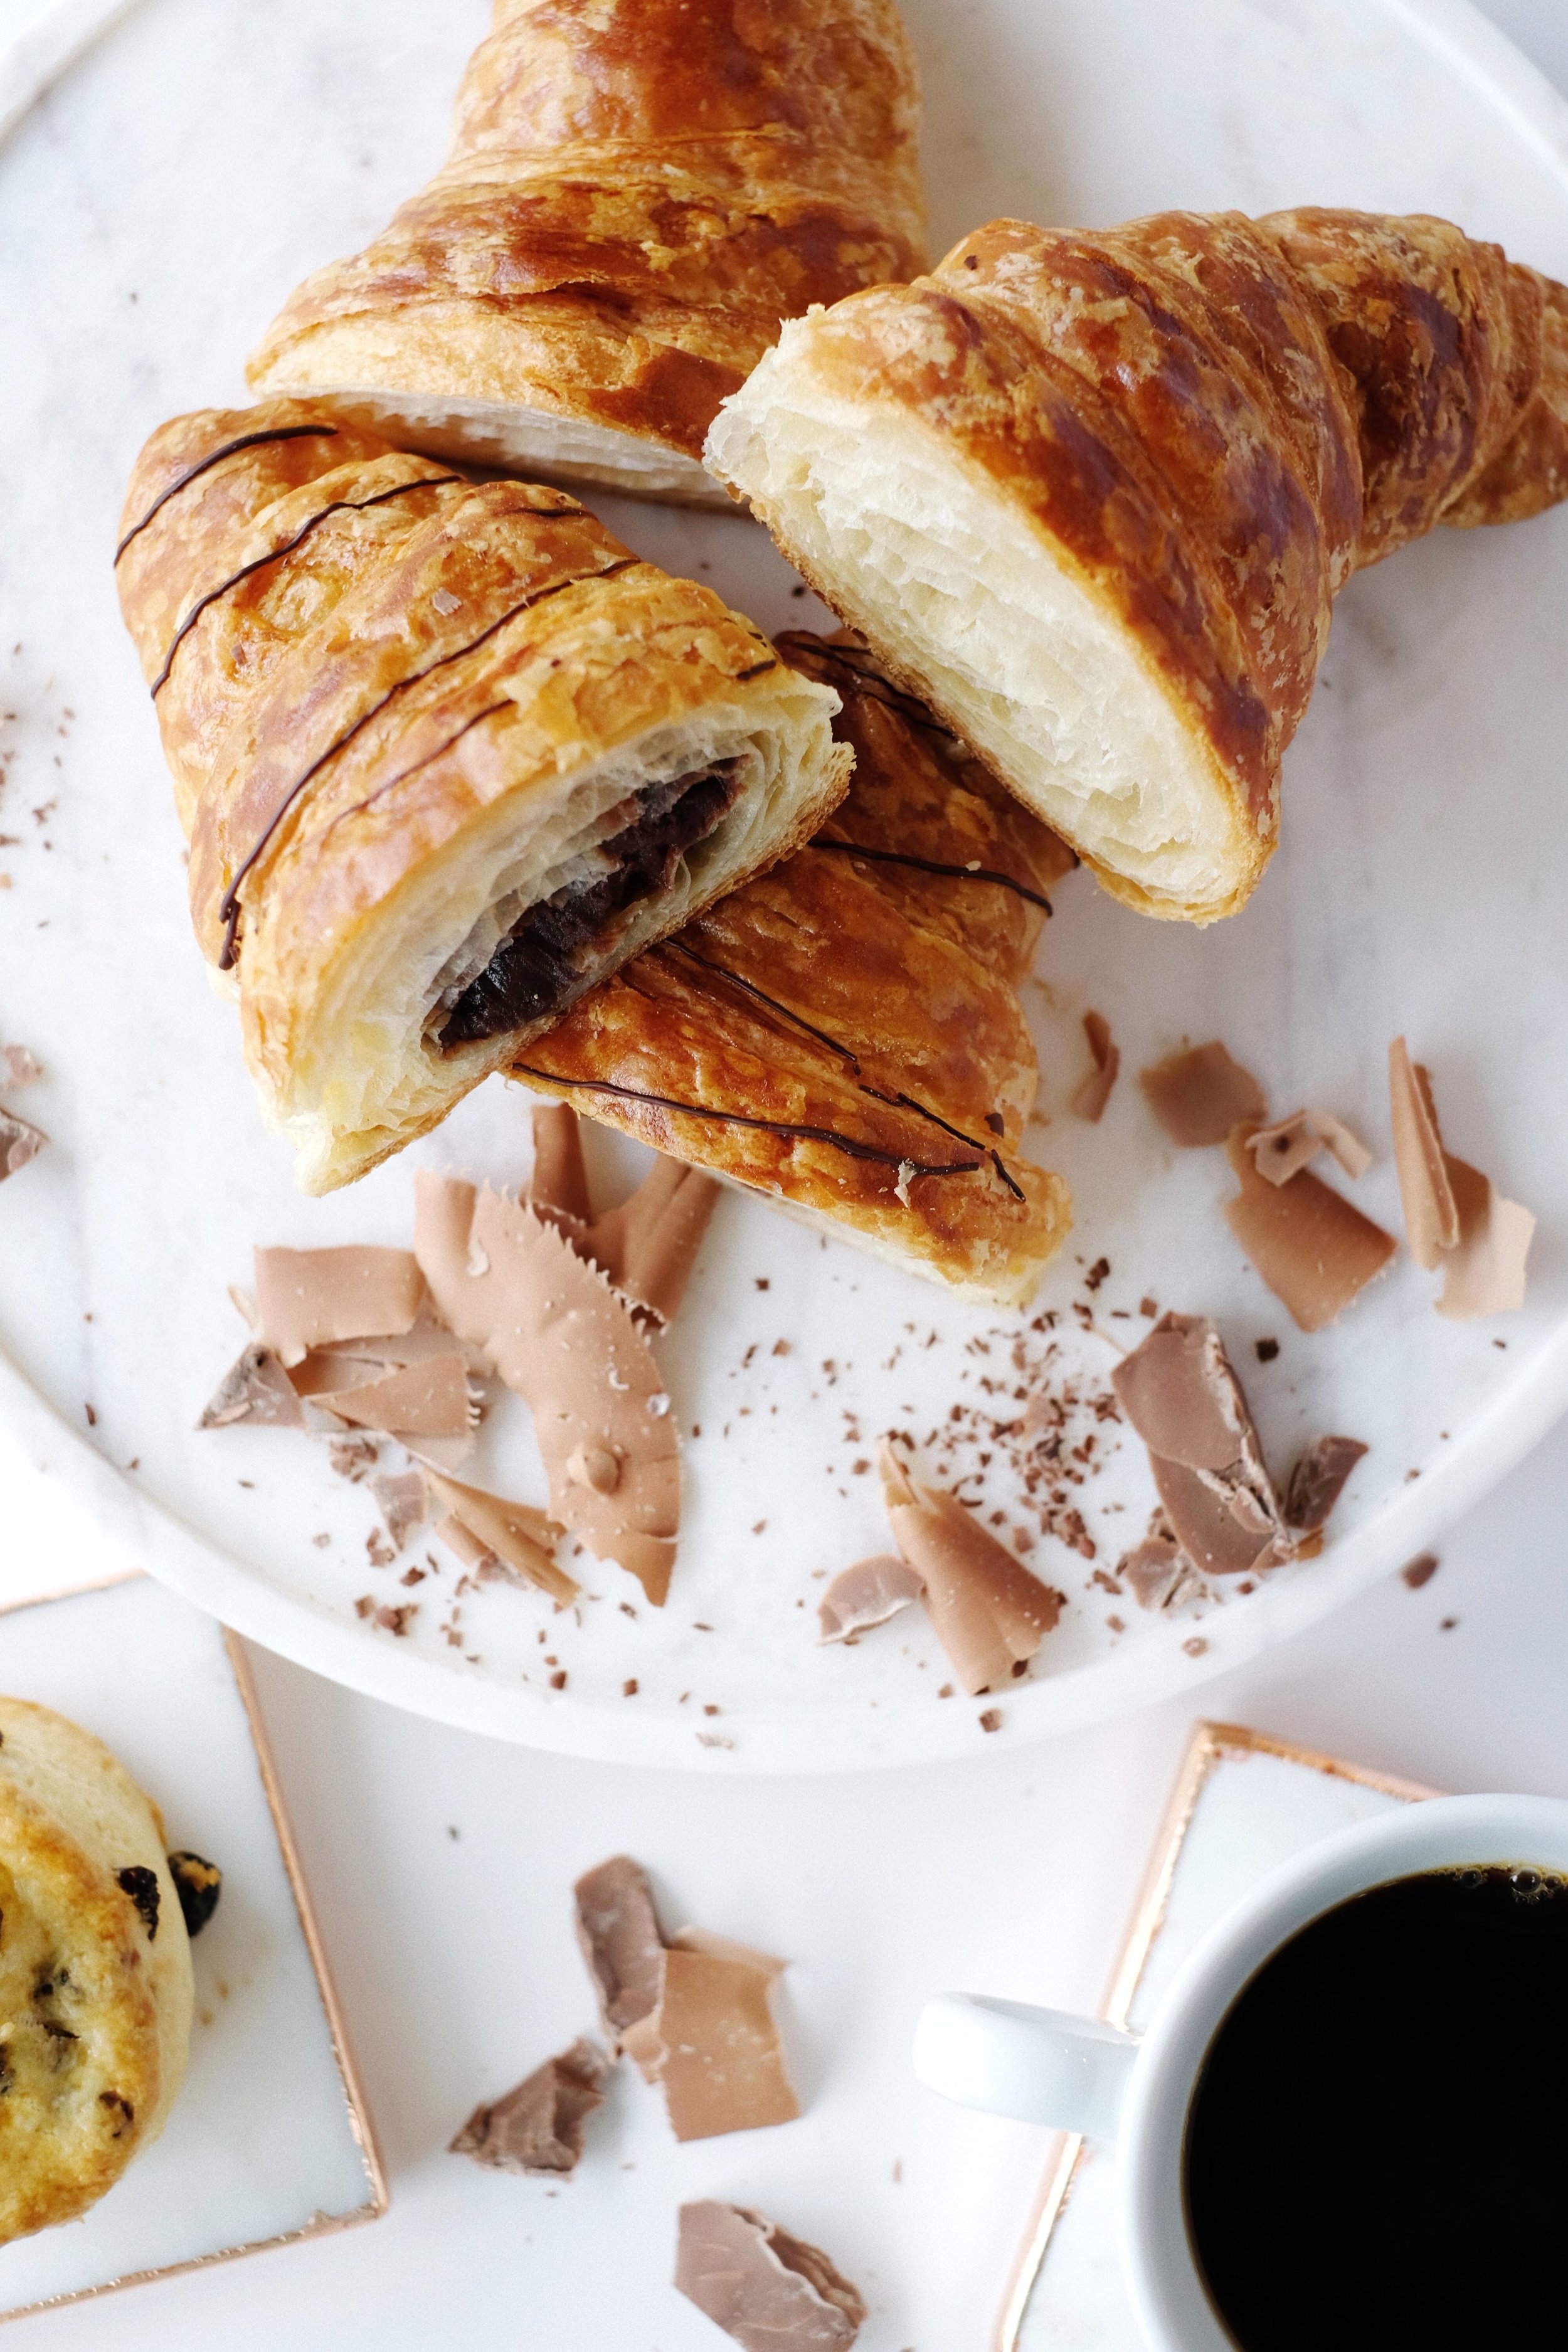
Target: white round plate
155, 206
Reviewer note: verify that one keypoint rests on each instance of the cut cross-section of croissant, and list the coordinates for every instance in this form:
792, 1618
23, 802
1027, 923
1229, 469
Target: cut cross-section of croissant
445, 754
637, 192
845, 1036
1092, 495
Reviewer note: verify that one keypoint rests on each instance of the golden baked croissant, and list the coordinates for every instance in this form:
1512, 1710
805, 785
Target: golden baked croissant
446, 753
1092, 496
844, 1033
639, 191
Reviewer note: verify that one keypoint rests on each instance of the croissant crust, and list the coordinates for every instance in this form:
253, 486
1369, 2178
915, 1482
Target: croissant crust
637, 192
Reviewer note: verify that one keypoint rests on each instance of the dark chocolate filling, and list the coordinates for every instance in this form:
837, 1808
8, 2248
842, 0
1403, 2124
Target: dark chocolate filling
549, 955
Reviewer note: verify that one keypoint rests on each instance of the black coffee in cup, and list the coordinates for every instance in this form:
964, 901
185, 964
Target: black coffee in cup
1376, 2147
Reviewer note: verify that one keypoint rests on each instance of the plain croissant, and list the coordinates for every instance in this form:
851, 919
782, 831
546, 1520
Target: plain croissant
844, 1035
1092, 496
637, 192
446, 753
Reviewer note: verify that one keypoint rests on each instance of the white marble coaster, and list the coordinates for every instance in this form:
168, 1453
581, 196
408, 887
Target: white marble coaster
1243, 1803
270, 2140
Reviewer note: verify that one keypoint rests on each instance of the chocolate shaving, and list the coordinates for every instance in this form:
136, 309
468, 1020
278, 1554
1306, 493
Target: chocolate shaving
352, 1457
518, 1535
1200, 1094
989, 1612
1431, 1215
1158, 1572
554, 1331
537, 2128
402, 1500
1091, 1094
1318, 1479
770, 2292
1315, 1252
1454, 1216
711, 2042
1484, 1273
1279, 1151
866, 1594
20, 1142
308, 1298
1178, 1391
619, 1930
255, 1389
559, 1184
21, 1067
429, 1398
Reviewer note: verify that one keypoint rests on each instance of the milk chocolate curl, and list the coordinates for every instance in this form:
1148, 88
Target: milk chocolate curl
619, 1930
717, 2053
306, 1297
1200, 1094
1484, 1272
1314, 1251
538, 2127
989, 1612
402, 1500
1281, 1150
559, 1183
769, 2292
1431, 1215
554, 1331
1318, 1479
517, 1533
428, 1399
1091, 1094
20, 1142
648, 1245
1178, 1391
256, 1390
866, 1594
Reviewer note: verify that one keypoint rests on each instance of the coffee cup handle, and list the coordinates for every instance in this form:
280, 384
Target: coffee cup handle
1040, 2065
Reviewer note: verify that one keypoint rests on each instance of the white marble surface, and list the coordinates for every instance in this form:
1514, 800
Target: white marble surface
1013, 1870
169, 188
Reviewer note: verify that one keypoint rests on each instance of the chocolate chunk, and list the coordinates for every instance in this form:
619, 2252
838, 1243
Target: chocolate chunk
1318, 1480
20, 1142
865, 1595
537, 2128
141, 1885
1200, 1094
619, 1930
1312, 1248
256, 1390
1091, 1094
198, 1885
1178, 1391
770, 2292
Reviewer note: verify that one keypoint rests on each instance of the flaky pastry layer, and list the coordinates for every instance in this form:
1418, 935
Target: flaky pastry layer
447, 754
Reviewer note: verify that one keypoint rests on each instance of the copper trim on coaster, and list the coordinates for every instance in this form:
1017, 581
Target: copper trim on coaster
322, 2225
1209, 1743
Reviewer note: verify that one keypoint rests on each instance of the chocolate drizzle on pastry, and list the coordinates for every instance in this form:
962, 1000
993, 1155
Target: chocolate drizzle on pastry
276, 555
214, 456
230, 906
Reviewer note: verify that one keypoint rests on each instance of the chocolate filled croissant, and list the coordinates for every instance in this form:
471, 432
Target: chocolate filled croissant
1092, 495
844, 1033
637, 192
445, 752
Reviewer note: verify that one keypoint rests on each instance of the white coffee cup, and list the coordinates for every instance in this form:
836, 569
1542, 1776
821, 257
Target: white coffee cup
1045, 2066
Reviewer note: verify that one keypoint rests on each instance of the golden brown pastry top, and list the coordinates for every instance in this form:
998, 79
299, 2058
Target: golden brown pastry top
845, 1031
637, 192
1216, 419
355, 647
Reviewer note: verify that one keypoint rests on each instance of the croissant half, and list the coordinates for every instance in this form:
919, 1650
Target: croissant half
844, 1035
445, 752
637, 192
1092, 496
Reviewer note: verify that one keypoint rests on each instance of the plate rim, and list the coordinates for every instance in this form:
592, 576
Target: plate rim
152, 1537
